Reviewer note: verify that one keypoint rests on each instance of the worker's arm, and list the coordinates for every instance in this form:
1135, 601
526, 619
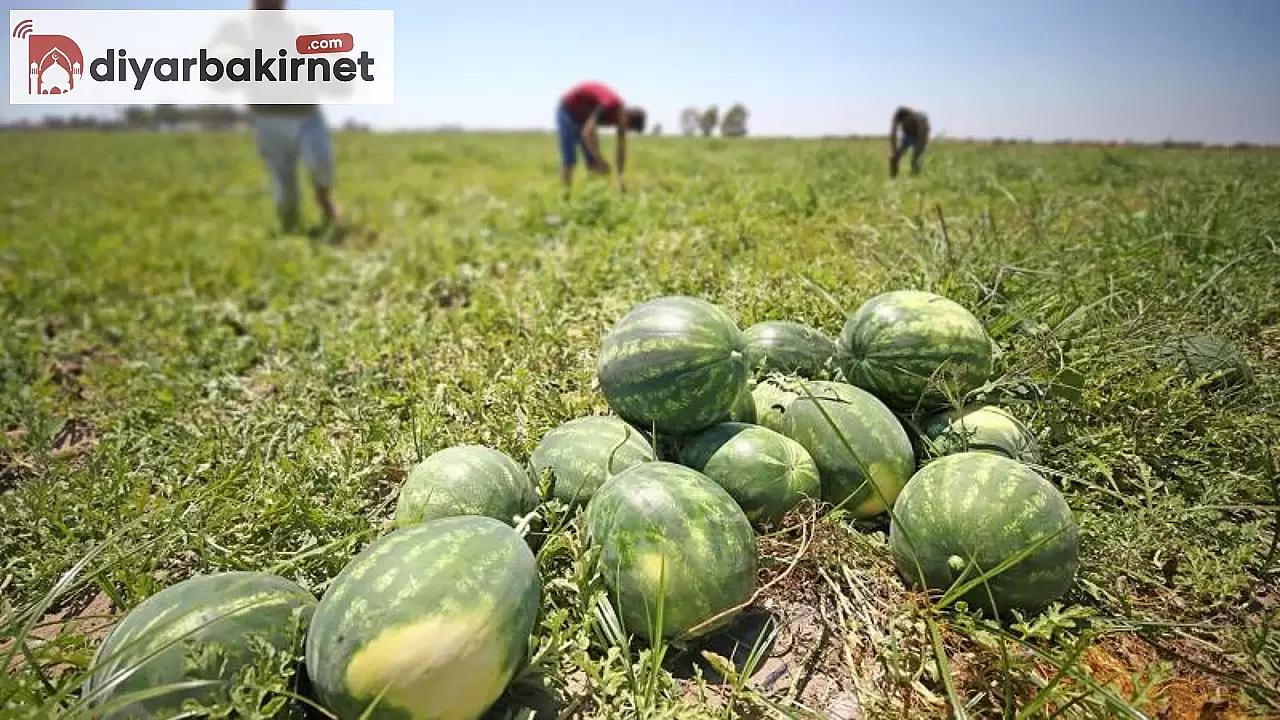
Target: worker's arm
893, 134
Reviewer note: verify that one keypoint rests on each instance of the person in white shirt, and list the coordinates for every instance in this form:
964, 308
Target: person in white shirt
285, 134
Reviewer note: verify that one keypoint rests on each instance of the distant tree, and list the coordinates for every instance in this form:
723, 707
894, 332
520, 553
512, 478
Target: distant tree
169, 115
690, 119
708, 120
735, 121
137, 116
657, 129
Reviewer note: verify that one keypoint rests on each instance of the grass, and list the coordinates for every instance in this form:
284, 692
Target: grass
184, 391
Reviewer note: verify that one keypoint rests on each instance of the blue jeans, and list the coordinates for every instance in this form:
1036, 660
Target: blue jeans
906, 141
570, 134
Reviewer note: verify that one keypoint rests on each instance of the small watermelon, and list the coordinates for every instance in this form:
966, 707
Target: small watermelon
662, 526
675, 364
1208, 357
766, 472
878, 440
437, 615
985, 508
582, 453
209, 627
789, 347
915, 349
466, 480
985, 428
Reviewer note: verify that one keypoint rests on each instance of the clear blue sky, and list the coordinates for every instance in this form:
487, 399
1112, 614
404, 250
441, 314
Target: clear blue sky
1045, 69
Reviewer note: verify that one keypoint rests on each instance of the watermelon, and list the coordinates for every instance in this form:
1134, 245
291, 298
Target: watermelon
985, 508
1208, 357
915, 349
744, 408
878, 441
438, 615
771, 398
209, 627
789, 347
466, 480
664, 527
766, 473
675, 364
986, 428
582, 453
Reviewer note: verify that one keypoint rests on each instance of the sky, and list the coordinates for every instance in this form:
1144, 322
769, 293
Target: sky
1145, 70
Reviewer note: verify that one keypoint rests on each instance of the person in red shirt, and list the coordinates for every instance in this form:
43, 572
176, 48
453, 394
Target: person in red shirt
582, 110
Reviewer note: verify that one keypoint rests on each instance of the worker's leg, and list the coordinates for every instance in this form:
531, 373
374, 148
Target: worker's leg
568, 135
317, 153
276, 138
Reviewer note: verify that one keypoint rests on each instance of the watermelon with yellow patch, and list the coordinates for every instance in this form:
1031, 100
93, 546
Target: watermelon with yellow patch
822, 416
433, 618
668, 532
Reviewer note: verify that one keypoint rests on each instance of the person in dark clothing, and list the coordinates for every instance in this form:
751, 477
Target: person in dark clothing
582, 110
914, 128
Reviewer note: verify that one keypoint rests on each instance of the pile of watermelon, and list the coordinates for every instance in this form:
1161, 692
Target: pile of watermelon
716, 434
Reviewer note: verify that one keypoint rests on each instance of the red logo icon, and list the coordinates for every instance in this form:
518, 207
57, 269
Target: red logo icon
327, 43
56, 63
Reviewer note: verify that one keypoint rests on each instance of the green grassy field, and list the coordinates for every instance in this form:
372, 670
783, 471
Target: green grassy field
184, 391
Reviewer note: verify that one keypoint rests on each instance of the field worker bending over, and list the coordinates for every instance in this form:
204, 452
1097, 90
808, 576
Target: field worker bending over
915, 135
583, 109
286, 133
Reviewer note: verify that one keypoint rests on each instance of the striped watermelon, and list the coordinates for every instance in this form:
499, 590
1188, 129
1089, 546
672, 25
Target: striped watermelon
789, 347
985, 508
438, 615
675, 364
662, 526
915, 349
582, 453
766, 473
771, 398
744, 408
204, 628
878, 441
466, 480
986, 428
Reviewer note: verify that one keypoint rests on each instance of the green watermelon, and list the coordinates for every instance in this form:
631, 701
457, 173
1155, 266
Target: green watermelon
466, 480
205, 628
789, 347
987, 428
1209, 357
675, 364
871, 429
985, 508
771, 398
438, 615
744, 408
915, 349
582, 453
662, 525
766, 473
